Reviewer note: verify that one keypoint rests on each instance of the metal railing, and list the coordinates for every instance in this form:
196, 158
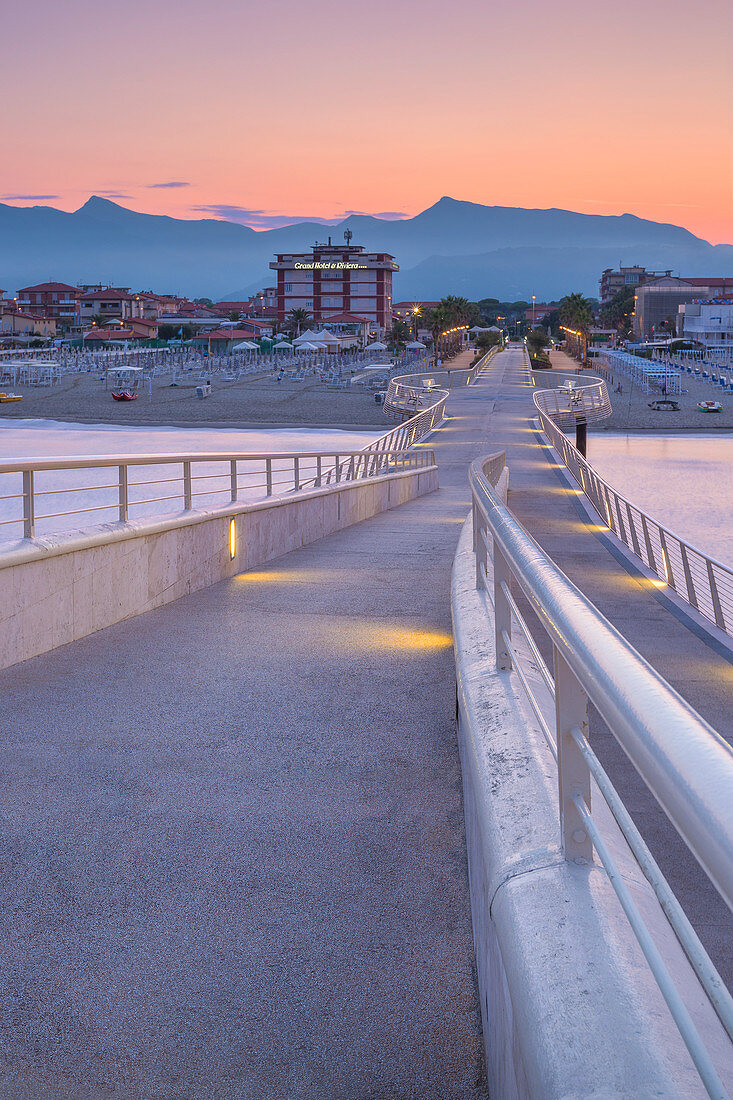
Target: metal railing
571, 398
129, 487
416, 395
704, 583
686, 765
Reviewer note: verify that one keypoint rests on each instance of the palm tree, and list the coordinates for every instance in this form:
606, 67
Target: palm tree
438, 320
298, 317
400, 333
575, 309
576, 313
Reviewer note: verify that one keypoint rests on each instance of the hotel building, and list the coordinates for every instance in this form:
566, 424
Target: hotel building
336, 278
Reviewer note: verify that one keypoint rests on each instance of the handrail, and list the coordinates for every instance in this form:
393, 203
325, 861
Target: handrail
686, 765
268, 471
570, 398
697, 578
268, 474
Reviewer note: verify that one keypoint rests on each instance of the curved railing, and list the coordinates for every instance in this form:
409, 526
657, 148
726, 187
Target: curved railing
704, 583
411, 395
569, 399
686, 765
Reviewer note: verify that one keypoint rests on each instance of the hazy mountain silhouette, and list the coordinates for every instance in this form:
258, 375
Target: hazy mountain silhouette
453, 246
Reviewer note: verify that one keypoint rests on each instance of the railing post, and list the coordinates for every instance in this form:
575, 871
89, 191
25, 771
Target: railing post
571, 713
714, 596
319, 471
296, 473
122, 494
233, 478
691, 594
666, 563
632, 531
29, 505
651, 562
187, 489
502, 610
268, 477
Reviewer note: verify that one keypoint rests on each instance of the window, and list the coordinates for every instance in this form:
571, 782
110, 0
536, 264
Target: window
288, 288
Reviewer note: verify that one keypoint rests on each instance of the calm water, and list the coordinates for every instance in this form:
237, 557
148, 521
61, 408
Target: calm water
95, 490
684, 481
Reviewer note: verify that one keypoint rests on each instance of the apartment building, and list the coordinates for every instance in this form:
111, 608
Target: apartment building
333, 279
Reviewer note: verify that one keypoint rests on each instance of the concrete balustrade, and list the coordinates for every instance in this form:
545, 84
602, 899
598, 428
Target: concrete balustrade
56, 590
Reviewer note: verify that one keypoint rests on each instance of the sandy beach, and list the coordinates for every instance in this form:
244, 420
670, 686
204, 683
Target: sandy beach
263, 402
631, 410
81, 398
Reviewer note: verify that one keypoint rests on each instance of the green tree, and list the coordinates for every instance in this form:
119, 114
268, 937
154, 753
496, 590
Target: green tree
617, 312
576, 311
298, 318
400, 333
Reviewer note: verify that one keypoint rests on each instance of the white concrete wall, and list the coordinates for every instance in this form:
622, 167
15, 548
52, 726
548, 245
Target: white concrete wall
570, 1008
58, 590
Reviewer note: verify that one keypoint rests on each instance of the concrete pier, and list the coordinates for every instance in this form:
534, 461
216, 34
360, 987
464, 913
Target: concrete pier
233, 848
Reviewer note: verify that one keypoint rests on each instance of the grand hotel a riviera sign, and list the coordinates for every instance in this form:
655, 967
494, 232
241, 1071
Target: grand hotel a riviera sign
328, 265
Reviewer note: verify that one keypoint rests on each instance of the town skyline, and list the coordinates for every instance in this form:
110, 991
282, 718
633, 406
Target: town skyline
265, 121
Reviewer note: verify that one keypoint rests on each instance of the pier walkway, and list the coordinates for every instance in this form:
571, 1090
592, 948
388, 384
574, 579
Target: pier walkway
233, 850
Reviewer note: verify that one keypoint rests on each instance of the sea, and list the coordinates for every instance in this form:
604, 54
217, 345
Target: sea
96, 490
683, 481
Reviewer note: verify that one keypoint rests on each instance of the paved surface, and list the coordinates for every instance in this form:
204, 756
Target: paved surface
233, 847
232, 843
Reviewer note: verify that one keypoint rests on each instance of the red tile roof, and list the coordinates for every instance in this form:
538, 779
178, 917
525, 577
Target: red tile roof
44, 288
345, 318
110, 295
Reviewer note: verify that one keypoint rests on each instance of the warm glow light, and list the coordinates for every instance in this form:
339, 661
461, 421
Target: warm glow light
232, 538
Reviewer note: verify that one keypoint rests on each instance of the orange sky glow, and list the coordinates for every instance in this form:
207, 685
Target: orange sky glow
274, 111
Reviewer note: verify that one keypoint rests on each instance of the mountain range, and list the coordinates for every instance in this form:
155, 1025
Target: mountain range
452, 247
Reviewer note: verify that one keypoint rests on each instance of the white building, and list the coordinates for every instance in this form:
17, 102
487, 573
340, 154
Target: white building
708, 322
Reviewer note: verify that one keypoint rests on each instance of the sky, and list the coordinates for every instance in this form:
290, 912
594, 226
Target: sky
269, 112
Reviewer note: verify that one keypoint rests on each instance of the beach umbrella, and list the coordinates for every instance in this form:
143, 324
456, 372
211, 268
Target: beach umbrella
283, 344
246, 345
415, 344
376, 346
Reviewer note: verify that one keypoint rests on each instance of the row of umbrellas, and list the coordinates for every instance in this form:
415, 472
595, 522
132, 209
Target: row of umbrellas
315, 341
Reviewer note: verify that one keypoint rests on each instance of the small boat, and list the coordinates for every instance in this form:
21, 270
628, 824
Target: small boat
10, 397
124, 395
710, 406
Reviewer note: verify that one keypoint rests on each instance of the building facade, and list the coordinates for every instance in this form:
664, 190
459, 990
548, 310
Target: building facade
16, 323
333, 279
659, 301
612, 281
707, 322
115, 303
57, 300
